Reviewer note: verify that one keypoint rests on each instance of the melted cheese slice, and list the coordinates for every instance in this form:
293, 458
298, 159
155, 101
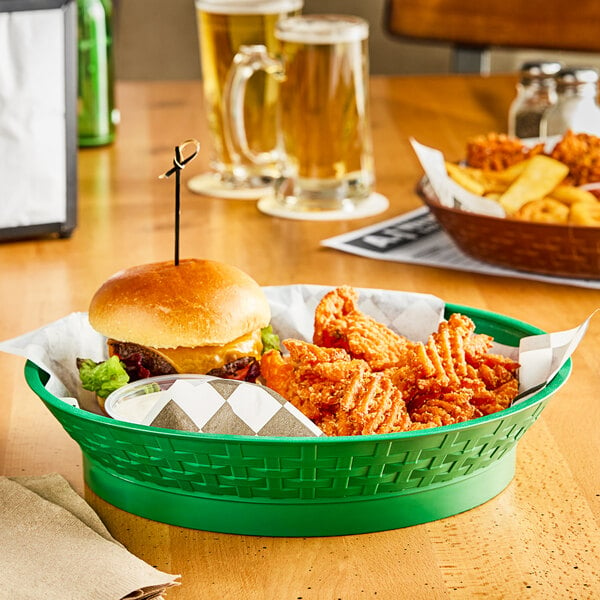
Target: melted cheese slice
202, 359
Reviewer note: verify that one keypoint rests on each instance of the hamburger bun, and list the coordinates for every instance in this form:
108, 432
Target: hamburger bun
195, 303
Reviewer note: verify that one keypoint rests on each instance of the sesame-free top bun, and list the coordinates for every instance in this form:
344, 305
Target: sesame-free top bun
196, 303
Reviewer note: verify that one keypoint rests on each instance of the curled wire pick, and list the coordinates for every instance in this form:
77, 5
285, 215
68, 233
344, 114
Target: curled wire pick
179, 163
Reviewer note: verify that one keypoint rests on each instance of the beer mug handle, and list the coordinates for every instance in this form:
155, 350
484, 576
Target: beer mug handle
246, 62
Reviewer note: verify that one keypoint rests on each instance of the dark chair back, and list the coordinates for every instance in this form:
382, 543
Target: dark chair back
472, 27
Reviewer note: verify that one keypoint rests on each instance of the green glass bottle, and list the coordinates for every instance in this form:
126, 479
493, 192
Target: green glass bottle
97, 116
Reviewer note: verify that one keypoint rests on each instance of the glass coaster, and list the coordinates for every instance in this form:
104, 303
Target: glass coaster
211, 184
373, 205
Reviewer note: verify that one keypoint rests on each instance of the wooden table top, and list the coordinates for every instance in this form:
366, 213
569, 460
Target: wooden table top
538, 539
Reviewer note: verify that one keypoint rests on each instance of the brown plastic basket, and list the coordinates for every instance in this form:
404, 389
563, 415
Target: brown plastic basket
561, 250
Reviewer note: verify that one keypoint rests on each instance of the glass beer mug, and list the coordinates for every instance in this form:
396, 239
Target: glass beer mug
324, 142
224, 26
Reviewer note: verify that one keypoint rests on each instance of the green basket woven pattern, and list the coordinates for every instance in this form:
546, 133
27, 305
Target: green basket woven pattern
297, 469
303, 468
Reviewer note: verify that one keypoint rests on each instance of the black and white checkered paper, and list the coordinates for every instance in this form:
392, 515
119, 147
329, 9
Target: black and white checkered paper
542, 356
226, 407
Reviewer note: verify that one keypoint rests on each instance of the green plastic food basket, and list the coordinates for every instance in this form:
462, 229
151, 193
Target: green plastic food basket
304, 486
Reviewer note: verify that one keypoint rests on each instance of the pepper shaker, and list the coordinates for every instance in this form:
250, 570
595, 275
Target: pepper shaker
536, 92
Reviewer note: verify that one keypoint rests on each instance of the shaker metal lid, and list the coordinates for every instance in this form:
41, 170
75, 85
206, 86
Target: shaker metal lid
540, 68
576, 75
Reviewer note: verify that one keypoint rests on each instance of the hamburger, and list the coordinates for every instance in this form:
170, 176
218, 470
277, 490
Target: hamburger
199, 316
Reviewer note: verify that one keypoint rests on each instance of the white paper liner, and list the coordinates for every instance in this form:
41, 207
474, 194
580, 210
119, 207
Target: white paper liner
451, 194
55, 347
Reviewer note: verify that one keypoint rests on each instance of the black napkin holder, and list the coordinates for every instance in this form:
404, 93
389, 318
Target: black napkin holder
30, 223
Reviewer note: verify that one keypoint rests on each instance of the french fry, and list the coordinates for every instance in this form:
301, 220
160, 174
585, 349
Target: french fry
537, 180
508, 175
495, 188
466, 177
569, 194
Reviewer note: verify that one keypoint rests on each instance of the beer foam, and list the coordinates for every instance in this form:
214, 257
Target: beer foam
248, 7
322, 29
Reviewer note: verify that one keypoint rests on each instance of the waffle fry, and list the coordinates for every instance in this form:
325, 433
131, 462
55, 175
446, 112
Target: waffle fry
358, 386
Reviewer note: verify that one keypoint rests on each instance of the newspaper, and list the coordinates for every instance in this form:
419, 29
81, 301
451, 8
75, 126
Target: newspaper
417, 238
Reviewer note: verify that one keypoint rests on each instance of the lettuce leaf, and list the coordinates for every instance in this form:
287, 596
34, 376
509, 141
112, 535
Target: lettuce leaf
102, 378
270, 339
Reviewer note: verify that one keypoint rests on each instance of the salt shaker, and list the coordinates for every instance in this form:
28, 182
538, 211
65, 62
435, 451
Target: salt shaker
536, 92
577, 106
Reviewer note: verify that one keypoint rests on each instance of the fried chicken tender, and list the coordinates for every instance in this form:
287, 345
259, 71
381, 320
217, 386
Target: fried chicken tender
498, 151
339, 324
581, 153
339, 393
445, 409
310, 378
359, 377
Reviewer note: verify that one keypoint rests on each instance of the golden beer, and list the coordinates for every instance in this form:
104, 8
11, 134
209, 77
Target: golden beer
324, 107
224, 26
